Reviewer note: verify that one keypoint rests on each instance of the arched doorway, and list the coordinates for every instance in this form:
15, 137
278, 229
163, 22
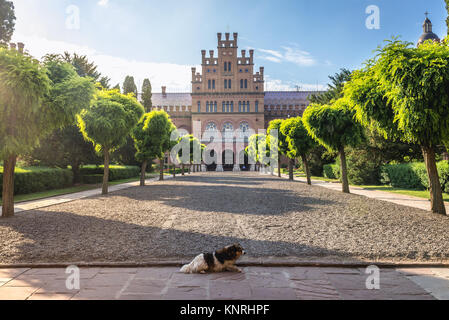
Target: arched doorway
213, 165
228, 159
244, 161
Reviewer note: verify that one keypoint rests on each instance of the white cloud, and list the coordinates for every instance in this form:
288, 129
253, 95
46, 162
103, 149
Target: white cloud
176, 77
103, 3
289, 54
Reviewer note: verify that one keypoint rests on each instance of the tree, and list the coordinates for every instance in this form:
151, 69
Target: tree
195, 148
300, 143
7, 21
335, 88
152, 138
108, 122
276, 138
403, 94
285, 128
36, 101
147, 95
117, 87
129, 86
258, 149
334, 127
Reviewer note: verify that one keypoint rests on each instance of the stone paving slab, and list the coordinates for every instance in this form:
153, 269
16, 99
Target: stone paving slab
255, 283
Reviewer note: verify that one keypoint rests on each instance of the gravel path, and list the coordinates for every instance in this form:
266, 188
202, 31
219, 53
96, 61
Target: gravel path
183, 217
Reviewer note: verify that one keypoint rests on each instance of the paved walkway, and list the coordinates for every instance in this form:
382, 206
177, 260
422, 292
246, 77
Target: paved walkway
254, 283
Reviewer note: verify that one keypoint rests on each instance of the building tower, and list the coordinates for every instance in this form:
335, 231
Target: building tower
427, 32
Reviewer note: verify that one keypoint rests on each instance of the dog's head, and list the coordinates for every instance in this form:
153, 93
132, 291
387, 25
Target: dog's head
233, 253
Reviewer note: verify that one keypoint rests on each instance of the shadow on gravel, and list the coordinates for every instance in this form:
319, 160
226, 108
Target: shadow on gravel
227, 199
63, 237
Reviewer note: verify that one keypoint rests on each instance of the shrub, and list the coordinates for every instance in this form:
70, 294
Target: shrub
37, 179
92, 179
406, 175
115, 172
331, 171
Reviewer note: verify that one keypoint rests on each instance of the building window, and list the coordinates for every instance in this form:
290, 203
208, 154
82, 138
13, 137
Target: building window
257, 106
248, 107
199, 106
209, 84
207, 106
243, 106
240, 106
229, 84
224, 107
211, 127
246, 84
227, 107
232, 106
226, 84
213, 84
225, 67
229, 66
215, 106
241, 84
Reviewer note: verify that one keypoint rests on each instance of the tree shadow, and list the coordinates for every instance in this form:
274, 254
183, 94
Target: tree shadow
222, 196
64, 237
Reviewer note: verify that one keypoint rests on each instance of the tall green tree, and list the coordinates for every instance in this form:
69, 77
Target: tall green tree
152, 137
193, 149
147, 95
108, 122
447, 19
277, 139
335, 128
35, 102
334, 88
258, 149
285, 128
403, 94
300, 143
85, 68
129, 86
7, 21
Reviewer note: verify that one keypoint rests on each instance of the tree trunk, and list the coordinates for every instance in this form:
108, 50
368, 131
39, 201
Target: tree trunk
183, 168
9, 166
174, 171
76, 173
291, 164
143, 173
344, 171
307, 169
190, 168
161, 175
106, 173
436, 194
279, 166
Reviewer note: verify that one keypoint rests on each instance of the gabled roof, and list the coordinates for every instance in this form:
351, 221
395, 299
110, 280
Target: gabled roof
171, 99
276, 98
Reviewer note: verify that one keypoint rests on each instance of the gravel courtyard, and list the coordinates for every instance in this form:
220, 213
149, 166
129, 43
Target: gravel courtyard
178, 219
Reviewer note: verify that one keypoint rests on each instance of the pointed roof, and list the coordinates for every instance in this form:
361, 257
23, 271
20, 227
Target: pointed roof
427, 32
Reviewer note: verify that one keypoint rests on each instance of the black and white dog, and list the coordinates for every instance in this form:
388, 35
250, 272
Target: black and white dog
219, 261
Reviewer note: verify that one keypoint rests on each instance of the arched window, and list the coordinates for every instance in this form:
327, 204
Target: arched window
229, 66
226, 84
227, 106
207, 106
244, 127
228, 127
209, 84
246, 84
244, 106
213, 84
232, 106
241, 84
211, 127
225, 67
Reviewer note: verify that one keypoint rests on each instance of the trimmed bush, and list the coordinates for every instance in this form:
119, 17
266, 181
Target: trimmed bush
92, 179
405, 175
331, 171
115, 172
37, 179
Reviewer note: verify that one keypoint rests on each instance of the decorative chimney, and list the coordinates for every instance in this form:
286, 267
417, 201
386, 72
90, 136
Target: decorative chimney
20, 46
164, 91
13, 46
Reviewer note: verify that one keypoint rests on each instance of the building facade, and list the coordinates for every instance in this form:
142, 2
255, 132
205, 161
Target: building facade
228, 98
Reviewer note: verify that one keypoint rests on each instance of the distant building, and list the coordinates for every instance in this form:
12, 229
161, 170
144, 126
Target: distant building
228, 95
428, 32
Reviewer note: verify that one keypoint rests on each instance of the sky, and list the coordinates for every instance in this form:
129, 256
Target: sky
299, 42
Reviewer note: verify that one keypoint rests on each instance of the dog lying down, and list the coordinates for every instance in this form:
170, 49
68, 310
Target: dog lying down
219, 261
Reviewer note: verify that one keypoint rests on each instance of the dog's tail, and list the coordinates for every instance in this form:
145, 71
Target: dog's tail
186, 268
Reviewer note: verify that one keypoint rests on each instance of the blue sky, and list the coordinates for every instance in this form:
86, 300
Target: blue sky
300, 42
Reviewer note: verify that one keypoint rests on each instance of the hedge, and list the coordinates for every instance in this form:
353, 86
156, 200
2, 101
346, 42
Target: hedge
414, 175
331, 171
92, 179
37, 179
115, 172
